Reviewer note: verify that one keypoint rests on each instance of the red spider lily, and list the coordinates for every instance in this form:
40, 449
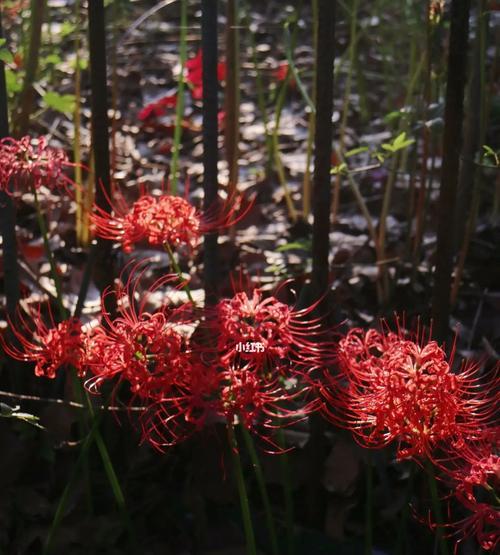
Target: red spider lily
473, 468
145, 349
211, 392
259, 388
157, 108
195, 74
267, 333
187, 408
281, 73
259, 401
27, 162
49, 347
164, 220
393, 388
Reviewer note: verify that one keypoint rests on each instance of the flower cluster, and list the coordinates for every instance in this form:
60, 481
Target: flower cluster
195, 74
157, 108
155, 220
392, 388
473, 469
27, 163
255, 387
51, 347
164, 220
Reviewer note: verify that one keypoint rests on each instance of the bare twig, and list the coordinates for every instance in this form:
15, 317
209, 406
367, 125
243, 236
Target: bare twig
73, 404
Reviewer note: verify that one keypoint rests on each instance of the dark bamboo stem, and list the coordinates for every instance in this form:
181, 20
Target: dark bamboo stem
232, 96
21, 124
7, 211
452, 139
103, 269
321, 203
323, 145
210, 139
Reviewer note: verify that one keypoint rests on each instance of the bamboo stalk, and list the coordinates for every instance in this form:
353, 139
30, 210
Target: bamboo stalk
7, 211
474, 137
232, 98
347, 99
457, 60
8, 233
22, 119
321, 204
323, 145
306, 187
179, 106
209, 10
103, 268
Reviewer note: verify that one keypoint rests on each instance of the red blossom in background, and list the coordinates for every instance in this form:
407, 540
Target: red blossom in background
31, 162
472, 469
392, 388
195, 74
50, 347
158, 107
164, 220
281, 73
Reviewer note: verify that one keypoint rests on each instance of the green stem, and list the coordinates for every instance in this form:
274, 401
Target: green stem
106, 460
262, 489
50, 256
402, 539
61, 506
436, 506
369, 507
178, 271
240, 480
285, 468
261, 101
307, 188
179, 108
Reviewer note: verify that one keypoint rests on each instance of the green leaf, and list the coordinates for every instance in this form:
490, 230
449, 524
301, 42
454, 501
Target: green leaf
490, 153
64, 103
340, 169
296, 245
391, 116
67, 28
53, 59
355, 151
6, 56
13, 82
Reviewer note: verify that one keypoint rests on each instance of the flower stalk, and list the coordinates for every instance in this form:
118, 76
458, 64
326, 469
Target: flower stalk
242, 490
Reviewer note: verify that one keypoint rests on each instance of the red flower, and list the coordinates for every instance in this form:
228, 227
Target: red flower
49, 347
281, 73
27, 162
393, 388
186, 409
262, 402
473, 468
145, 349
157, 108
163, 220
195, 74
266, 333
